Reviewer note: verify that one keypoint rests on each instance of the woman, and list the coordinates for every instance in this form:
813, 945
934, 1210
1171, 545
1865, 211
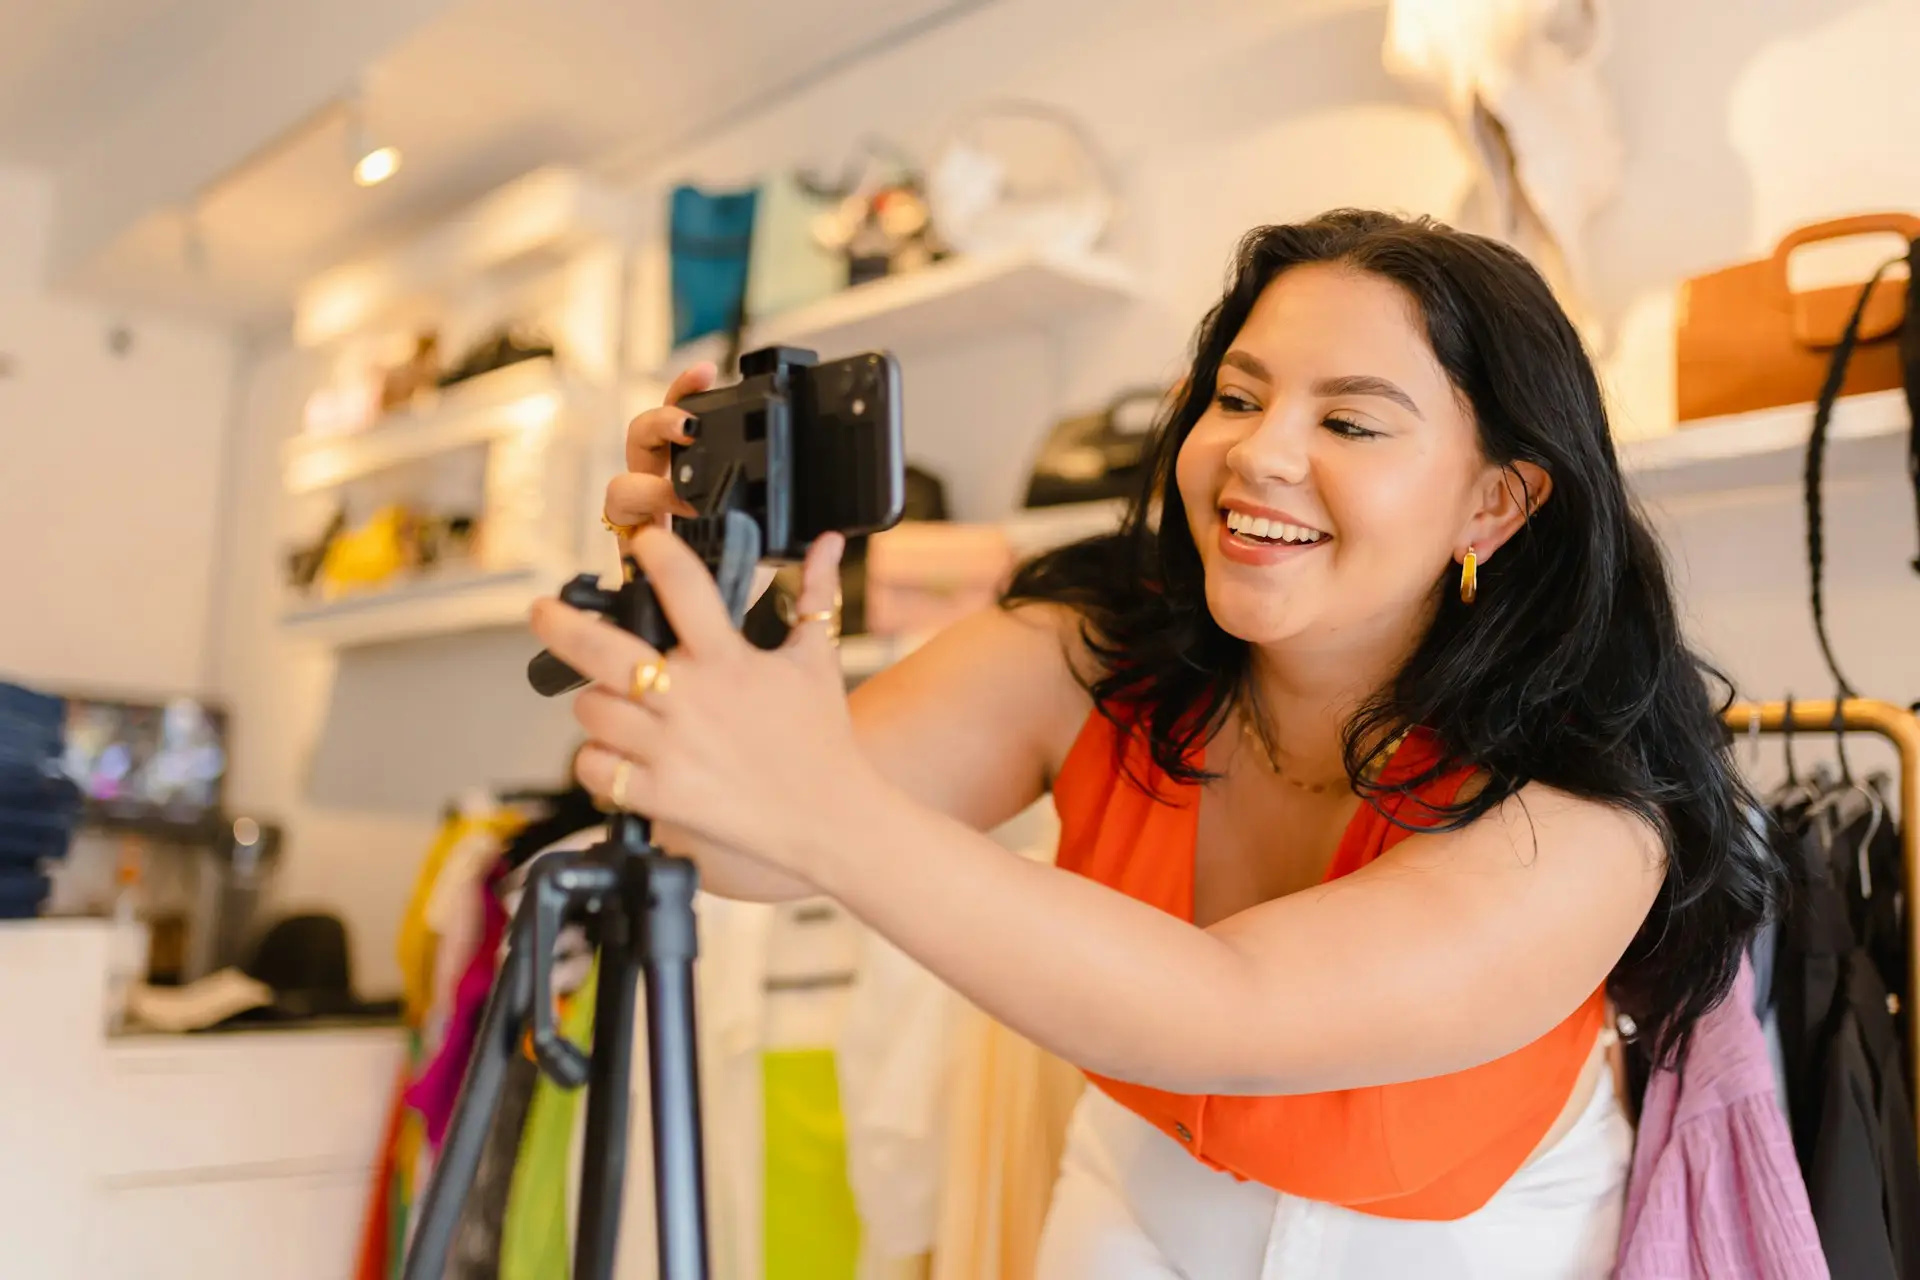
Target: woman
1380, 763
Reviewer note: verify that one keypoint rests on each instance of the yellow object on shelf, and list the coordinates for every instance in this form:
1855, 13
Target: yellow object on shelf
369, 555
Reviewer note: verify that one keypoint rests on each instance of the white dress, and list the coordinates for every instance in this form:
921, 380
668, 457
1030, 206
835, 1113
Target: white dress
1132, 1204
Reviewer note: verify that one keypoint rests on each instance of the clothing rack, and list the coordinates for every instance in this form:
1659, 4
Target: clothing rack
1900, 727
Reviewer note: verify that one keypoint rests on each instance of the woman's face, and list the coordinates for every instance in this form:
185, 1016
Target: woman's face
1337, 473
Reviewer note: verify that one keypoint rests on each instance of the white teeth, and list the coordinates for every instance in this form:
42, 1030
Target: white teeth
1271, 530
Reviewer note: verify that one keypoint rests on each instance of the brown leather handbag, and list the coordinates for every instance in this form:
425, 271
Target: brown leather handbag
1746, 341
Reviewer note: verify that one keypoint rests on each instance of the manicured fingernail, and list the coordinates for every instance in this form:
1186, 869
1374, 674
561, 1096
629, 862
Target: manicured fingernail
691, 427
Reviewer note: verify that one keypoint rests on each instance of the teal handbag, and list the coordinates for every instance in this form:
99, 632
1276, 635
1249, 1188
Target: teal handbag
710, 241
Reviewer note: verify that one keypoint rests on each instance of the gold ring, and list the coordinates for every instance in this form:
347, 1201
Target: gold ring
622, 775
829, 616
623, 530
648, 677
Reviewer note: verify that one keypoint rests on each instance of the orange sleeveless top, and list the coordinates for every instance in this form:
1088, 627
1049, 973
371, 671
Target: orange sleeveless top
1431, 1149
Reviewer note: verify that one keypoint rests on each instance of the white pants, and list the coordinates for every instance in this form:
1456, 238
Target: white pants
1132, 1204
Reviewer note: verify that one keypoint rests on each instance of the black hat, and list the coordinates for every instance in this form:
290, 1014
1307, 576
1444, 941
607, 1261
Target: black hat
307, 962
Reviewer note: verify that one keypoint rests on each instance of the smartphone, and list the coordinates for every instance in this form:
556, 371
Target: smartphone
804, 448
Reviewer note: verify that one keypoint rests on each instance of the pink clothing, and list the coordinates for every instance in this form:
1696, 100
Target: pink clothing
1715, 1189
434, 1093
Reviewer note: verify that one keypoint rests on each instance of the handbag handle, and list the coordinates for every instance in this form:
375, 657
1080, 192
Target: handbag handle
1131, 398
1818, 322
1905, 225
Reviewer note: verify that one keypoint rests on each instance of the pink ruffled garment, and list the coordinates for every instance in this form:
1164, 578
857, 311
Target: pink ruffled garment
433, 1094
1715, 1189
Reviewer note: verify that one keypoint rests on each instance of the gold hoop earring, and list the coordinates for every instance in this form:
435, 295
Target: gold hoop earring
1469, 577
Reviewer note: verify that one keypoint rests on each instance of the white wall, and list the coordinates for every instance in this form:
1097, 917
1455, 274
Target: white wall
1220, 116
110, 478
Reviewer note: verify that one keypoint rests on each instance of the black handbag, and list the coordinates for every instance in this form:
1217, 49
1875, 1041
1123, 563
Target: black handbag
1096, 456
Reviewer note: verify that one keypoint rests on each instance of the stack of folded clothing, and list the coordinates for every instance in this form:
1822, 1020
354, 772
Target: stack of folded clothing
39, 804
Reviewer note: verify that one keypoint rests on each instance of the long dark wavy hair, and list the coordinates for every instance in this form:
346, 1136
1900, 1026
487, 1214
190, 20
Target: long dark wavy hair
1569, 669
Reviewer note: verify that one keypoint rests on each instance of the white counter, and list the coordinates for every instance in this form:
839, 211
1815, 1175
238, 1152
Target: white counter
243, 1154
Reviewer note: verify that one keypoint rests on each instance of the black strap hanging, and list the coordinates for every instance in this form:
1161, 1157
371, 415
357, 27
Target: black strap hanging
1817, 445
1910, 364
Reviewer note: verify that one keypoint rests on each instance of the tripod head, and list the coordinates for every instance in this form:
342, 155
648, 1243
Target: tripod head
795, 449
728, 544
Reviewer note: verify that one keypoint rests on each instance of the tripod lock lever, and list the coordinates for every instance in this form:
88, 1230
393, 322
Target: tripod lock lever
571, 879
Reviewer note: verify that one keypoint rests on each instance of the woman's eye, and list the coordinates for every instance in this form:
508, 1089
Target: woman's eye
1350, 429
1234, 402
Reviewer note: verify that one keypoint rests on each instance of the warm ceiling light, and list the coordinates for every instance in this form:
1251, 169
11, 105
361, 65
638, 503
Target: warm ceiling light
376, 166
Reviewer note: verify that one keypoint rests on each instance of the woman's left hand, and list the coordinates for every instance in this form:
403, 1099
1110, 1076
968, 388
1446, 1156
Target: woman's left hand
750, 750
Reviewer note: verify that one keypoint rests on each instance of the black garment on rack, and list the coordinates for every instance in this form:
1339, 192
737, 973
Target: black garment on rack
1846, 1075
567, 813
1870, 871
477, 1237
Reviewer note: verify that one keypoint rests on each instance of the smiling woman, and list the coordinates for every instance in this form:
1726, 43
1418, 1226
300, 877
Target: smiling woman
1381, 767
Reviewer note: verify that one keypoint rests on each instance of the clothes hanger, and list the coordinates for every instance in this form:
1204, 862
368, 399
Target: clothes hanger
807, 914
1826, 806
1786, 742
1797, 791
812, 981
1840, 735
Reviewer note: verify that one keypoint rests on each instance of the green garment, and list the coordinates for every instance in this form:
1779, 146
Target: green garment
536, 1238
812, 1229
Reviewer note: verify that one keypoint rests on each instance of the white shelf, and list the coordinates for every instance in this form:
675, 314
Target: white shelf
546, 215
1031, 532
520, 397
429, 606
1036, 529
956, 300
1767, 447
863, 656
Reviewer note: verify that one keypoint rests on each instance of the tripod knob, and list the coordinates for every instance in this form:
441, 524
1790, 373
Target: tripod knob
585, 592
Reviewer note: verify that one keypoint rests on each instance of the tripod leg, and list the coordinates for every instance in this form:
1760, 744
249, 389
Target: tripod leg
603, 1156
500, 1029
679, 1177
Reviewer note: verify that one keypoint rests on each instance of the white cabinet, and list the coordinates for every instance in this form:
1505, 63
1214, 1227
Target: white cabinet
238, 1155
288, 1226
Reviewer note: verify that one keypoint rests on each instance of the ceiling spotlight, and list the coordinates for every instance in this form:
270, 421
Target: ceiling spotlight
373, 161
376, 166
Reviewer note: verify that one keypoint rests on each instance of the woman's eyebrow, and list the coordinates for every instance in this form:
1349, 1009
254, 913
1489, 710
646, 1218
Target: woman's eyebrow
1353, 384
1366, 384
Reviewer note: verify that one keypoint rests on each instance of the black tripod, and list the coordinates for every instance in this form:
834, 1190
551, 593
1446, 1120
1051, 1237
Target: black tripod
637, 903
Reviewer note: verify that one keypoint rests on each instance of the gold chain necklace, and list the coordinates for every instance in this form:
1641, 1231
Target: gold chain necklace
1372, 771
